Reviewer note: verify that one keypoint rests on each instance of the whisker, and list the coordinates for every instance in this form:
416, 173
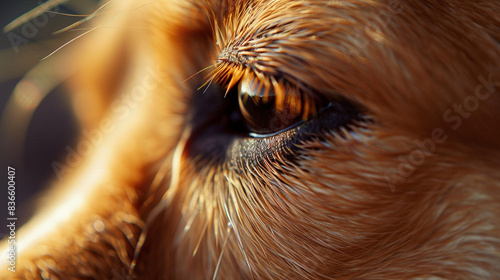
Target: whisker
190, 77
87, 18
107, 27
67, 43
98, 26
204, 230
71, 26
229, 227
205, 83
35, 12
72, 15
207, 86
238, 238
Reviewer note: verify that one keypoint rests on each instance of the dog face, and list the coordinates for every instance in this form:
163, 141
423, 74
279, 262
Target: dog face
282, 140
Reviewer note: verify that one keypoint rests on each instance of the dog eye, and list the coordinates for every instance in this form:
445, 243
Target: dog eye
269, 107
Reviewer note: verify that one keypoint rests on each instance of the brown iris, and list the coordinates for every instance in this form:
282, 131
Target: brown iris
269, 106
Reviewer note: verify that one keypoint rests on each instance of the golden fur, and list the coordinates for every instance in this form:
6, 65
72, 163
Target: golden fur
409, 190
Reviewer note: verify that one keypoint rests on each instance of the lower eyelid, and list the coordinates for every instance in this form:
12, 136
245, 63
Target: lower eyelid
245, 152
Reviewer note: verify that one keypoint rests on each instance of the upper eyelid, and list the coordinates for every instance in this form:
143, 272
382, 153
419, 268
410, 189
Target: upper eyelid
229, 75
233, 61
265, 58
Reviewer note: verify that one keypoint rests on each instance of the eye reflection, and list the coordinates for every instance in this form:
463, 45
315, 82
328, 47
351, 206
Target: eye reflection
272, 107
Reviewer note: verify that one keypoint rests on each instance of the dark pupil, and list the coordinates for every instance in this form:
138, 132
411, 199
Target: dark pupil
259, 109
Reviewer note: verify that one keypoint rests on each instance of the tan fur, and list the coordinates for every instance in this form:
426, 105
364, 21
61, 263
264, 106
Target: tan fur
340, 209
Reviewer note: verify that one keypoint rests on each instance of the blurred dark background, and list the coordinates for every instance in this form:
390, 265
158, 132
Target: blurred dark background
52, 126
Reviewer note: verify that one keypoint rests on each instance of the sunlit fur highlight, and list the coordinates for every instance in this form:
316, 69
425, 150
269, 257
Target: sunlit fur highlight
159, 212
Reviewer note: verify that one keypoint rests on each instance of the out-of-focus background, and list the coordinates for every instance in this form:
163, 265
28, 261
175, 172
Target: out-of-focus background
51, 127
